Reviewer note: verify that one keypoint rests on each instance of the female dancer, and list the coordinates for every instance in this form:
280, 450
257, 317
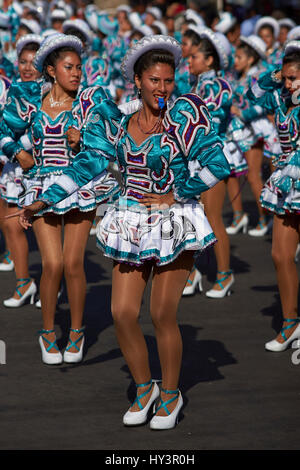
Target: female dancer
253, 131
49, 114
268, 29
278, 93
208, 56
11, 188
154, 146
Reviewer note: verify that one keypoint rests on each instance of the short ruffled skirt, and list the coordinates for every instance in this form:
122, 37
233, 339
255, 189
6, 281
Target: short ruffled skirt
133, 235
236, 159
85, 199
11, 182
281, 192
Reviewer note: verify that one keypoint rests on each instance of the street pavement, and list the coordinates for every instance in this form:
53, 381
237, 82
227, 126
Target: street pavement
237, 395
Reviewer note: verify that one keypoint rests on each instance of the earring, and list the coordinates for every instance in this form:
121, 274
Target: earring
139, 94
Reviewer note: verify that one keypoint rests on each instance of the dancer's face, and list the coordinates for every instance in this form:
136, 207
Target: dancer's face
291, 79
25, 66
156, 82
197, 61
67, 71
186, 46
242, 62
267, 36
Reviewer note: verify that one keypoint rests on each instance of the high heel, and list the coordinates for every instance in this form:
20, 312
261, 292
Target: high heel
169, 421
225, 290
135, 418
194, 284
31, 291
275, 345
49, 358
73, 357
261, 229
238, 223
9, 266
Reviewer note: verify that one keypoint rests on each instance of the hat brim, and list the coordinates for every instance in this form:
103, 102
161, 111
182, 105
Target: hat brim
148, 43
292, 46
53, 42
27, 39
248, 41
212, 37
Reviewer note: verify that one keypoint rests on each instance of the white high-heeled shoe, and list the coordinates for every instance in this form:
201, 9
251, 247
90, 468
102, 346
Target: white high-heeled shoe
195, 284
276, 346
261, 229
225, 290
73, 357
171, 419
30, 292
47, 357
235, 227
135, 418
9, 266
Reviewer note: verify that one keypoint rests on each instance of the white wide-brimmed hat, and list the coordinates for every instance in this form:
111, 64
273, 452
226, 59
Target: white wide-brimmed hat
287, 22
161, 26
292, 46
32, 25
81, 26
149, 43
53, 42
227, 21
267, 21
192, 15
294, 33
27, 39
155, 12
218, 40
144, 29
256, 43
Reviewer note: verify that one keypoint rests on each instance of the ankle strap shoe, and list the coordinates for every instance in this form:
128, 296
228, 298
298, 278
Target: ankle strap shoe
171, 419
47, 357
136, 418
276, 346
73, 357
29, 293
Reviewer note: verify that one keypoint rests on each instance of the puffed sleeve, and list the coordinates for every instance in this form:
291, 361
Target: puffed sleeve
99, 134
189, 122
261, 93
217, 95
23, 100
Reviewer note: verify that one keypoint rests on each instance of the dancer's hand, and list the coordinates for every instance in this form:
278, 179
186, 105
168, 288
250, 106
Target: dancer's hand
158, 201
73, 136
25, 159
235, 110
26, 213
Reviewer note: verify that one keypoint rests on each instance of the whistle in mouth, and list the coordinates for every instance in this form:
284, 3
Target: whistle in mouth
161, 103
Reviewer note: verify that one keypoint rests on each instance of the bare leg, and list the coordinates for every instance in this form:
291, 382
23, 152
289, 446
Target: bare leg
284, 244
48, 232
18, 246
213, 200
167, 286
254, 158
77, 227
128, 285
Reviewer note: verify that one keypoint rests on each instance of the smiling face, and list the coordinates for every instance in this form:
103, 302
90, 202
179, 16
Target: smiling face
157, 81
25, 66
67, 71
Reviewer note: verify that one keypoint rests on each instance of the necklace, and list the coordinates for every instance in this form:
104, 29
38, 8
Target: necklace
57, 103
155, 129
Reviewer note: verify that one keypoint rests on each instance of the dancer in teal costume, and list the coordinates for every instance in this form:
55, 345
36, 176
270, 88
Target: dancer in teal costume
171, 164
278, 92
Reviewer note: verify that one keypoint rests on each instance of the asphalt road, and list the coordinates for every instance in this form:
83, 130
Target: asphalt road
237, 395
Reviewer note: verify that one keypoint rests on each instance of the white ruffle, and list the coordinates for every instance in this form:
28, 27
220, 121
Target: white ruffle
85, 199
11, 185
277, 201
134, 235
